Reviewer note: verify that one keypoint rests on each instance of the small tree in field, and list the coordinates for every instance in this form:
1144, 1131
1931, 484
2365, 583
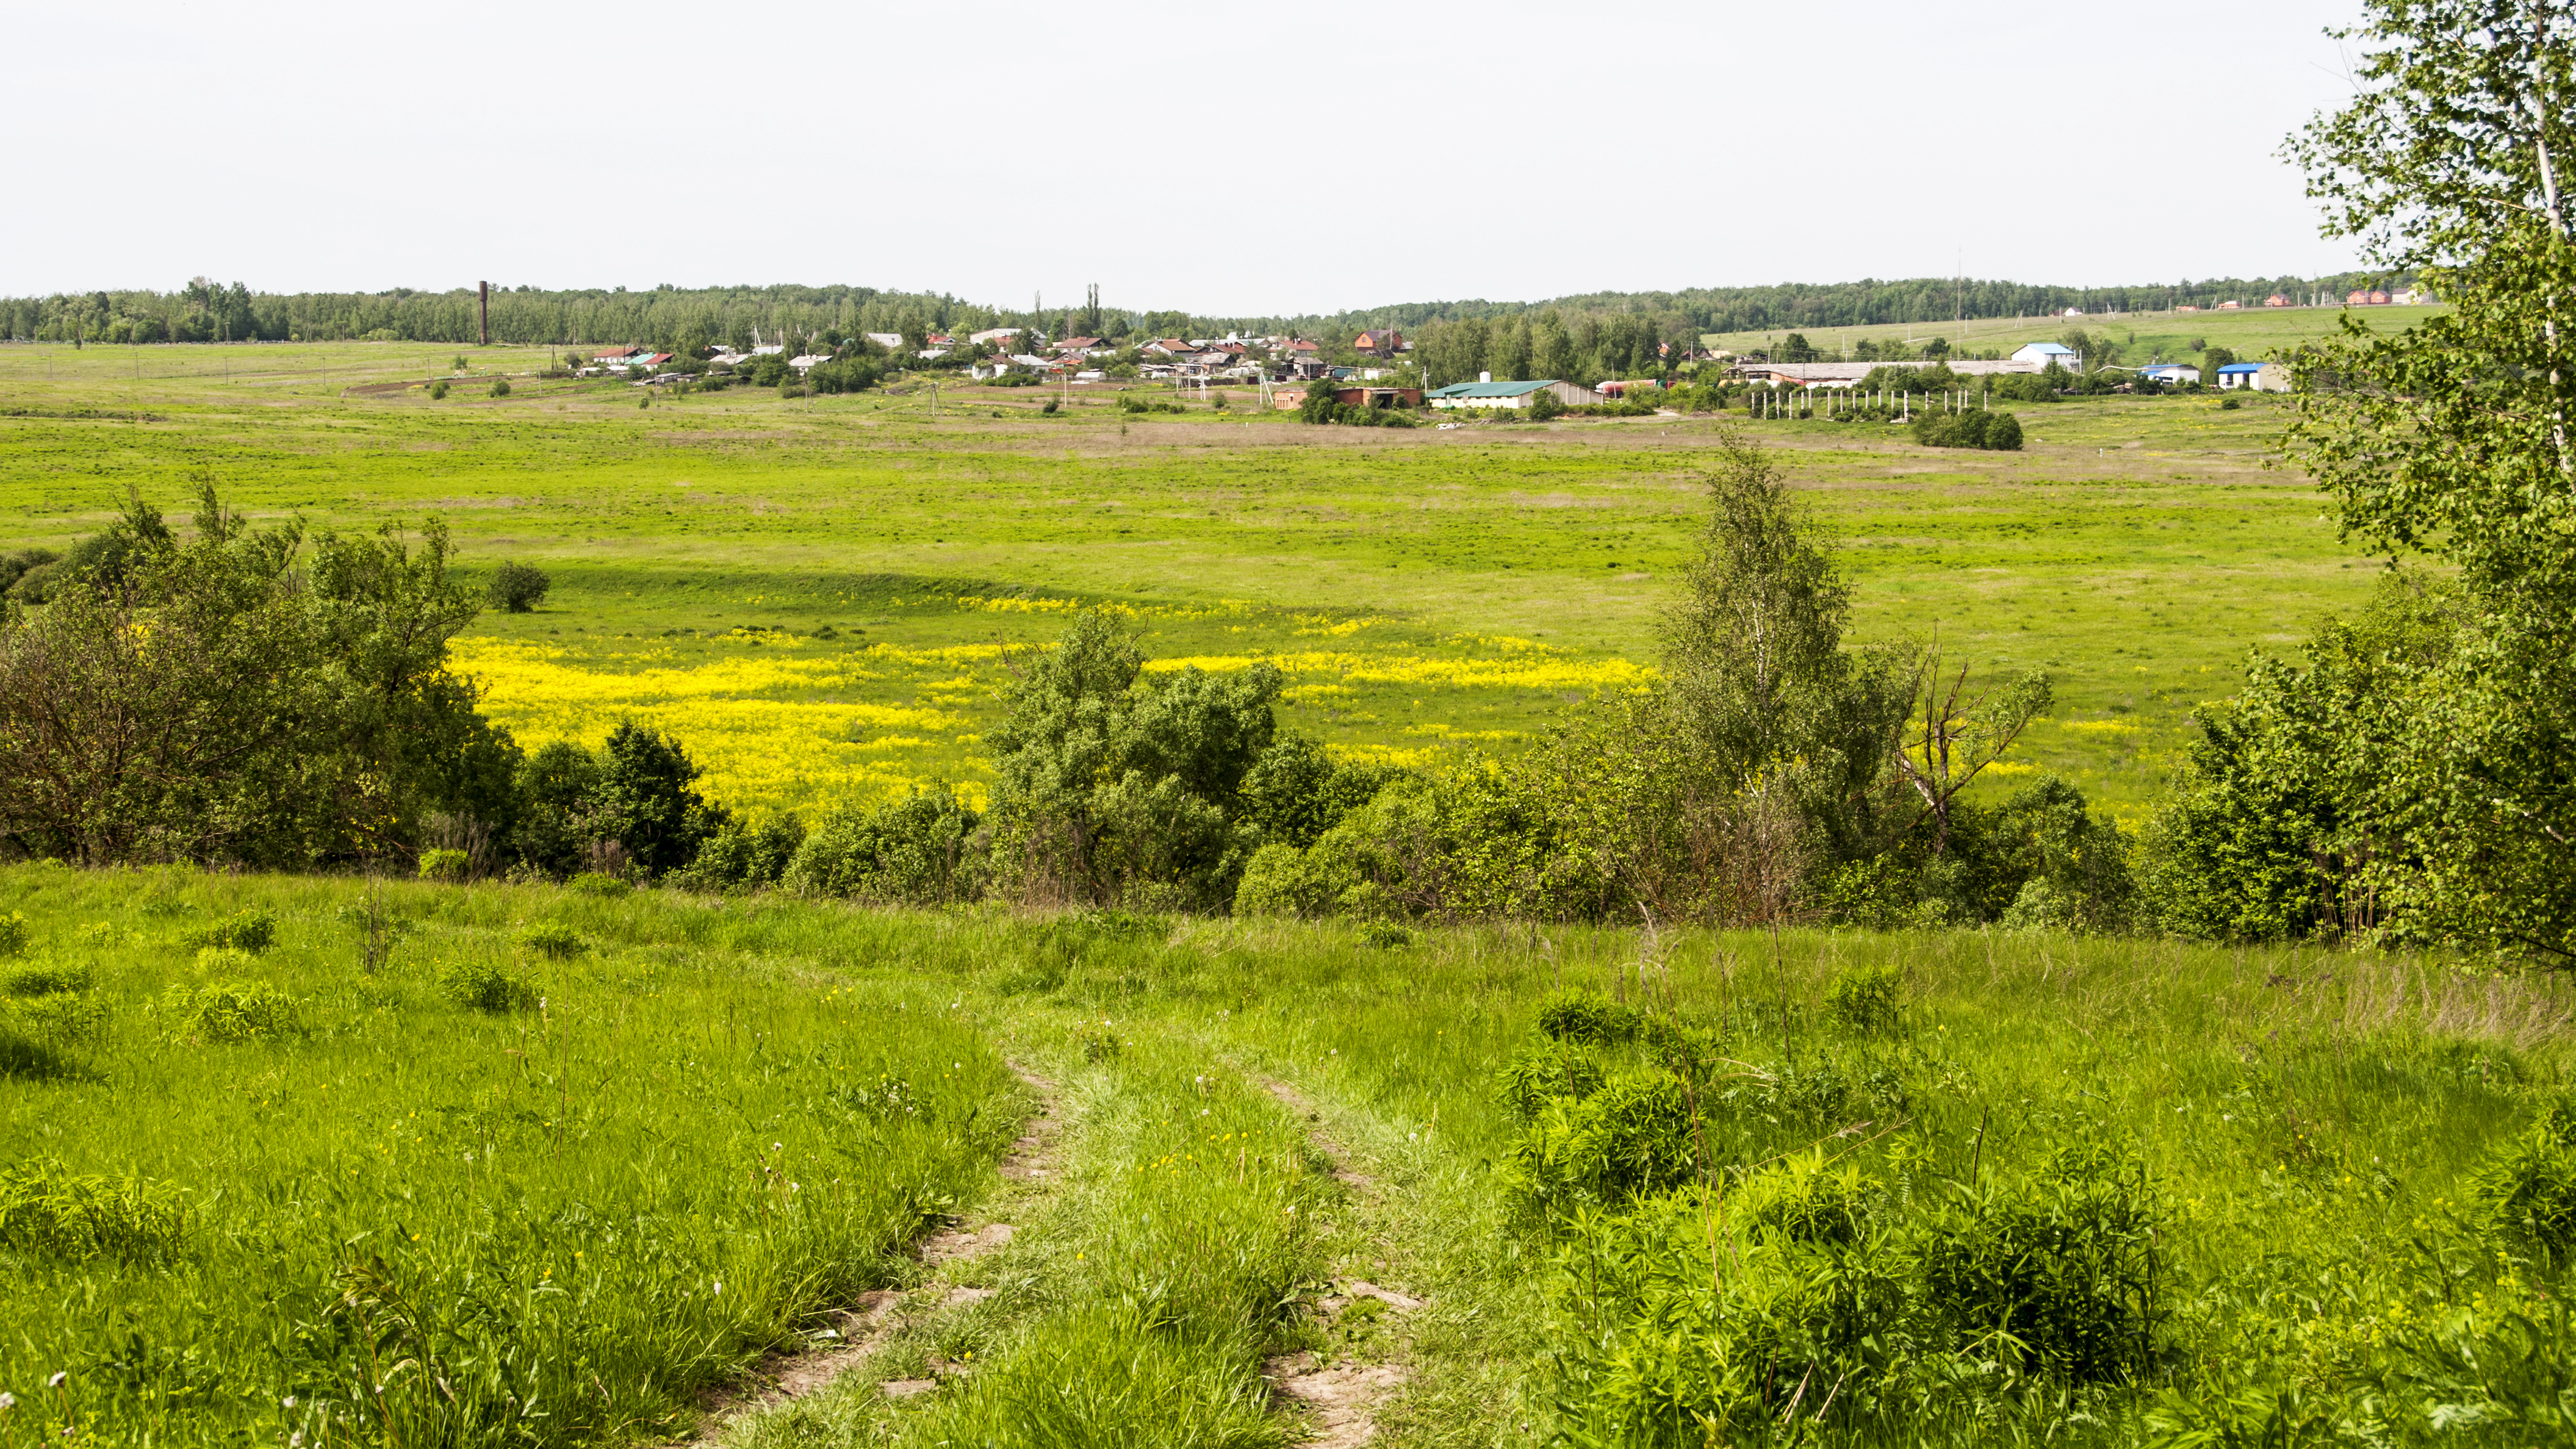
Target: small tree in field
517, 587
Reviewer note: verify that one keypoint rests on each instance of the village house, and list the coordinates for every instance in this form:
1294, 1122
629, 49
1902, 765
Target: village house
2254, 376
2172, 374
1484, 392
1385, 344
2277, 300
2041, 354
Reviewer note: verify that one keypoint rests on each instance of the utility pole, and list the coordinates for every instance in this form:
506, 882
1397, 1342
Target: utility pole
483, 311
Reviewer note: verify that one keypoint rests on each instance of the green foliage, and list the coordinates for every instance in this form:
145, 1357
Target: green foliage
1972, 428
235, 695
13, 934
438, 390
919, 850
500, 387
229, 1011
1384, 934
1279, 880
1586, 1017
643, 799
2453, 439
451, 866
48, 1210
1296, 791
598, 883
1545, 404
552, 940
251, 931
44, 978
480, 984
1678, 1354
2282, 803
1865, 998
2528, 1189
2061, 1278
1113, 785
1632, 1137
517, 587
556, 792
1786, 726
744, 854
1544, 1071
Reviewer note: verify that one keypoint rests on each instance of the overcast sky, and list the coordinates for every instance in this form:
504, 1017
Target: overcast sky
1226, 160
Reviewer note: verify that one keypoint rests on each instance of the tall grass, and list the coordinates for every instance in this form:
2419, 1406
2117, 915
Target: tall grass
412, 1219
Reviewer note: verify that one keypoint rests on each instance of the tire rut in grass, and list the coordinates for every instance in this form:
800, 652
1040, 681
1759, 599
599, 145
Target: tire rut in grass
863, 1328
1338, 1401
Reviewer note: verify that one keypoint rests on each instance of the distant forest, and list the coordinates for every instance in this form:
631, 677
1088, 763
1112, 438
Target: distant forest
670, 317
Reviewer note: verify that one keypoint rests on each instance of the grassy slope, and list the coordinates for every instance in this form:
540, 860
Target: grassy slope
2136, 549
2306, 1115
578, 1216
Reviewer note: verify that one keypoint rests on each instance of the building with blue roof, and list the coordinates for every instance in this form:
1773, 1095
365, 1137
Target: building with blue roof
2255, 376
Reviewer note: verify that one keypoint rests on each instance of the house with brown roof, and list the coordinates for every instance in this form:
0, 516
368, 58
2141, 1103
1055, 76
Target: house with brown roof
1386, 343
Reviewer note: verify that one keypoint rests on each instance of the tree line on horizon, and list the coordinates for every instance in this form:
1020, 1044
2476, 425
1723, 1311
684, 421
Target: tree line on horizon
207, 311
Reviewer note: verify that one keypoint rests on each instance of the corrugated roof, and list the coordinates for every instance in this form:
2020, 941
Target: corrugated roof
2051, 348
1491, 389
2242, 367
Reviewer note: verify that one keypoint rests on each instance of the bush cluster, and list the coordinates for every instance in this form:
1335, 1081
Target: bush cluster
1973, 428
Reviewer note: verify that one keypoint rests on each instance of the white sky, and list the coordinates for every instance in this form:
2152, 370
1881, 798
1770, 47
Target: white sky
1225, 159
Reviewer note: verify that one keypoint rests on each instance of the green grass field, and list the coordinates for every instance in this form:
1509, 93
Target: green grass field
313, 1161
579, 1216
1428, 591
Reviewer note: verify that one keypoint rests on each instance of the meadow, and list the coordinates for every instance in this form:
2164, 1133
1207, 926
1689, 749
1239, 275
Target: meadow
820, 595
1278, 1177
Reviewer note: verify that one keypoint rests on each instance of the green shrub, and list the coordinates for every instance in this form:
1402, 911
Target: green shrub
1863, 998
438, 390
233, 1011
743, 854
2529, 1189
1280, 880
13, 934
1586, 1016
1542, 1073
517, 587
59, 1018
46, 979
2229, 405
2062, 1277
1974, 428
482, 985
599, 883
552, 940
1675, 1354
46, 1208
251, 931
920, 850
2041, 907
500, 387
452, 866
1384, 934
1633, 1136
